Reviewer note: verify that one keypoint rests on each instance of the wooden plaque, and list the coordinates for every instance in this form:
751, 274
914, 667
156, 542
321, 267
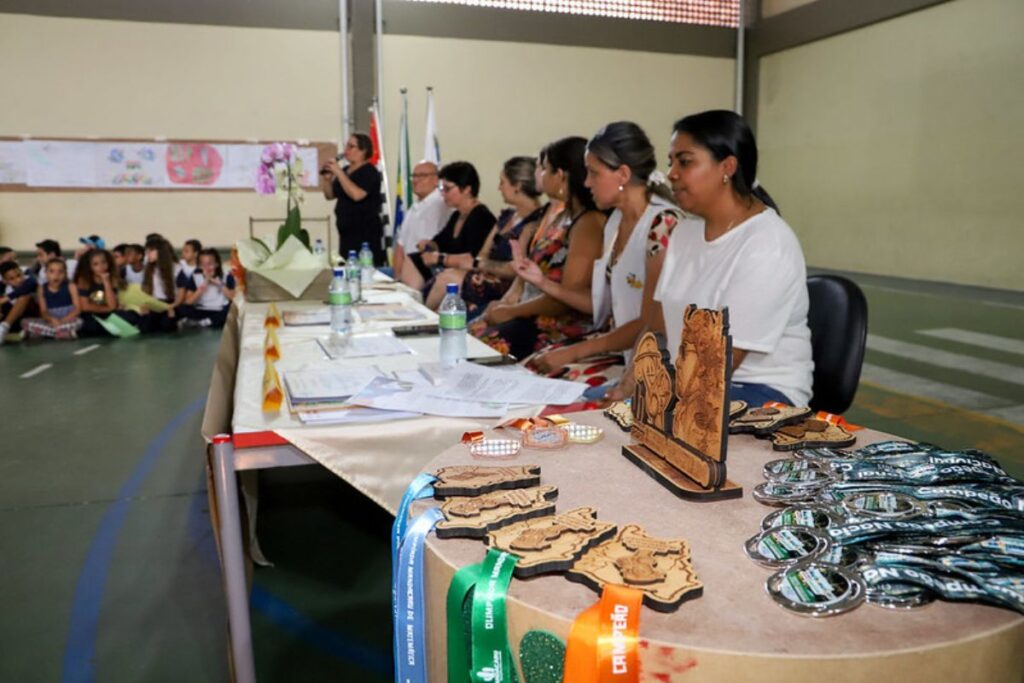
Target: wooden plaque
551, 544
811, 433
680, 412
659, 568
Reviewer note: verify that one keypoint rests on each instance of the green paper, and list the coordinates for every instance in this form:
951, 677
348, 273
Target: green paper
542, 656
118, 326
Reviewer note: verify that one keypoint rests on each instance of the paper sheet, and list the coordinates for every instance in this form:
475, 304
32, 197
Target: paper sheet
323, 384
388, 394
470, 382
366, 345
354, 415
321, 316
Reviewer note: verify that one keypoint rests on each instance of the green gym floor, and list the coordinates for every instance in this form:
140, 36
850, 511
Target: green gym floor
109, 570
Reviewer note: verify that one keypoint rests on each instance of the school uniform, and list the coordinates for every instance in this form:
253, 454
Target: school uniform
212, 304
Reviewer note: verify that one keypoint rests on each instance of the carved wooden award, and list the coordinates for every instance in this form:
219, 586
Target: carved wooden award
474, 516
476, 480
680, 413
659, 568
551, 544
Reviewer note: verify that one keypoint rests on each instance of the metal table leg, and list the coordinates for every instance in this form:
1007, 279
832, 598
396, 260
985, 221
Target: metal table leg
233, 558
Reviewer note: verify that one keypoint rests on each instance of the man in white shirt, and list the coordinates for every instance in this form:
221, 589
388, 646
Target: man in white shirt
425, 218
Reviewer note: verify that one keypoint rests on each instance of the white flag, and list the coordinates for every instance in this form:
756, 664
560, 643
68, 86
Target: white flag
431, 147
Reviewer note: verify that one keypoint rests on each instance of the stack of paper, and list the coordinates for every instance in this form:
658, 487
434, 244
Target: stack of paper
325, 389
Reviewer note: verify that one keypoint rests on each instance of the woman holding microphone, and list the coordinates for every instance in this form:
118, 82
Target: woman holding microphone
356, 186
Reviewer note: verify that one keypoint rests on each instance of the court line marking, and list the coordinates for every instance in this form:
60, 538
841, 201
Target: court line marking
913, 385
972, 338
36, 370
87, 349
1003, 372
911, 292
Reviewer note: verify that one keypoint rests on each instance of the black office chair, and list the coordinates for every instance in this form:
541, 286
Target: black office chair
838, 318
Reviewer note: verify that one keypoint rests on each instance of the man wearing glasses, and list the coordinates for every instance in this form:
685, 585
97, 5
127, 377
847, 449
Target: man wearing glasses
424, 219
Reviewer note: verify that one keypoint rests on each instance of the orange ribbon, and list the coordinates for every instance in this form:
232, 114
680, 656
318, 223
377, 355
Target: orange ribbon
472, 437
776, 404
604, 638
837, 420
525, 424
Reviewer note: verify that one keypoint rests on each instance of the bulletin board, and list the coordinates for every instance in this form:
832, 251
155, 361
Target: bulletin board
138, 164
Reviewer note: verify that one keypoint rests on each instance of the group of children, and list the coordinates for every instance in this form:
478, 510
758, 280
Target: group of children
129, 289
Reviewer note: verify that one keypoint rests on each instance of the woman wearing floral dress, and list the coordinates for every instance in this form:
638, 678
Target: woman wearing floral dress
564, 248
620, 162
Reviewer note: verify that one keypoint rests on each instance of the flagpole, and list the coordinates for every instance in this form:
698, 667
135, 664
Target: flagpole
346, 112
375, 112
379, 25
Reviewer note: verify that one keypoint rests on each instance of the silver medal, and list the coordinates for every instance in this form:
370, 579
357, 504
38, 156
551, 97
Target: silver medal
786, 545
816, 589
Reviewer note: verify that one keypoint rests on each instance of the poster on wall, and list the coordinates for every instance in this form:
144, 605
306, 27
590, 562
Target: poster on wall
131, 165
138, 165
56, 163
12, 163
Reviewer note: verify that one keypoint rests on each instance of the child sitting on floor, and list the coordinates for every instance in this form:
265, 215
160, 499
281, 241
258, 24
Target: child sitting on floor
209, 293
134, 267
18, 300
159, 282
97, 283
58, 306
189, 260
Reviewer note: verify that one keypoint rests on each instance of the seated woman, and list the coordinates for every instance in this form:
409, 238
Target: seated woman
485, 277
620, 161
467, 228
564, 247
97, 283
742, 255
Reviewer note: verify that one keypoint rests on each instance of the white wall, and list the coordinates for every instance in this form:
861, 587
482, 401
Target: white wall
77, 77
895, 149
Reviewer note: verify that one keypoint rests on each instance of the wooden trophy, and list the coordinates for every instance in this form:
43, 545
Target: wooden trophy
681, 413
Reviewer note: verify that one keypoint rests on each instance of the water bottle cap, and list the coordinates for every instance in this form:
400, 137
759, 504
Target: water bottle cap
339, 272
366, 245
351, 252
452, 288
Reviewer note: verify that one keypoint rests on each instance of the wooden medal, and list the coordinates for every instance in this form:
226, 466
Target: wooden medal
473, 517
661, 569
551, 544
476, 480
811, 433
765, 420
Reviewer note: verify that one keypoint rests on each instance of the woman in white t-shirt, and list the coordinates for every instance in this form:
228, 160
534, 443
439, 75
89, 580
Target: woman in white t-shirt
742, 255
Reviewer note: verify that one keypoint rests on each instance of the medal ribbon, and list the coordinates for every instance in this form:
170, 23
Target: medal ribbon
491, 653
603, 642
488, 658
419, 488
410, 640
837, 420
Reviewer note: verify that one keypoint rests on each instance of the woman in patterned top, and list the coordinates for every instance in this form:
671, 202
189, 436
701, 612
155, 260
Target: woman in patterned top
564, 248
620, 161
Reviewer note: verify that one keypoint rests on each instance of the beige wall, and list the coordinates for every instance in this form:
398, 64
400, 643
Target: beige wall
769, 8
896, 149
128, 79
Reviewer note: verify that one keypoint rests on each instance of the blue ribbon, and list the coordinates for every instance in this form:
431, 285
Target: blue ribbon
410, 641
419, 488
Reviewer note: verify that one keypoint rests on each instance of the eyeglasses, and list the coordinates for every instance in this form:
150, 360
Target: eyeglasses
448, 188
417, 176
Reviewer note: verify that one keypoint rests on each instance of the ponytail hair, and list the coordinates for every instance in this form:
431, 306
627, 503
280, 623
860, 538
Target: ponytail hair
726, 134
624, 143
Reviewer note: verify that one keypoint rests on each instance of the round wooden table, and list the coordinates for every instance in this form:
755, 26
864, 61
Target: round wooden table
735, 631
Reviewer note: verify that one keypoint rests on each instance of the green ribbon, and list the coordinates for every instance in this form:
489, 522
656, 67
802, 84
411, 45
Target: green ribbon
487, 657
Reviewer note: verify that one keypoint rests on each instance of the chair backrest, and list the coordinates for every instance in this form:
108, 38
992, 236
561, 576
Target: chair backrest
838, 318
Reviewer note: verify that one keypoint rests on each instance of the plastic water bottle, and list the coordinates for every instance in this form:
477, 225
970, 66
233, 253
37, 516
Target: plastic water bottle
340, 300
318, 248
366, 262
355, 276
453, 327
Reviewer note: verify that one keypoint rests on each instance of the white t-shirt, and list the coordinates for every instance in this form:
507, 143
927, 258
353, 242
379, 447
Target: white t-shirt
213, 297
134, 277
158, 284
424, 220
186, 268
757, 269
